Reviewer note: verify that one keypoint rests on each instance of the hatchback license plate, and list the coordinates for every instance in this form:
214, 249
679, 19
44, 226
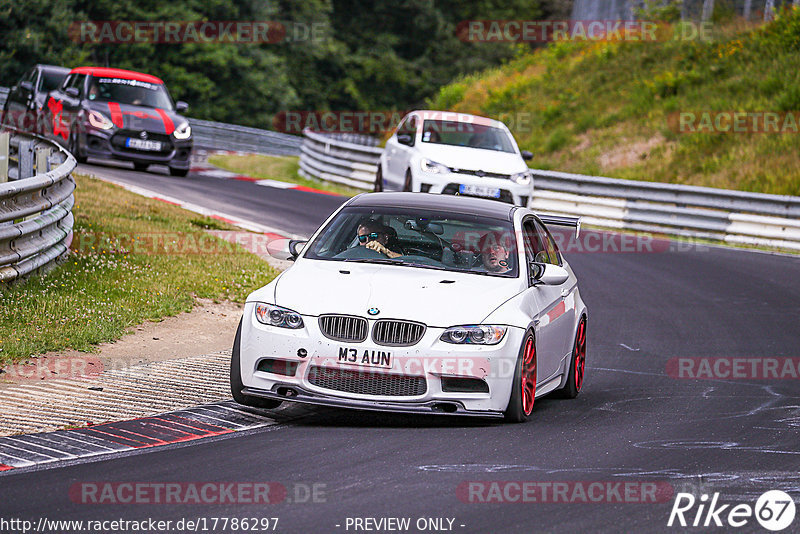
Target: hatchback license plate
142, 144
479, 190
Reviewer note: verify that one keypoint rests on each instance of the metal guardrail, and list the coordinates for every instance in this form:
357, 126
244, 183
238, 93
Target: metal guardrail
220, 136
328, 157
699, 212
35, 205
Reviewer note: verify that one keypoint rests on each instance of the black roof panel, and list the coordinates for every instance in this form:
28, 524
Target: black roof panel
457, 204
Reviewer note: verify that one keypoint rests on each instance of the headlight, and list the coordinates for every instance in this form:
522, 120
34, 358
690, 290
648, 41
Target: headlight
474, 335
184, 131
435, 168
521, 178
277, 316
98, 120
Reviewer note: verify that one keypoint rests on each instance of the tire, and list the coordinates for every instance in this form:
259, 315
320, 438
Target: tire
577, 364
523, 389
75, 147
178, 172
141, 167
236, 380
378, 180
408, 184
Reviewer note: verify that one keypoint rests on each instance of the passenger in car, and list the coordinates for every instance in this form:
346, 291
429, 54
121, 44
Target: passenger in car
495, 256
376, 236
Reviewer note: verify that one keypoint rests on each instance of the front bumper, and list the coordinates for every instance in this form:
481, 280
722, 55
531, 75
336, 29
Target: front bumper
429, 361
109, 144
448, 184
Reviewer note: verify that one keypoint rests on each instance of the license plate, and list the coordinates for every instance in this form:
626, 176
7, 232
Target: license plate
365, 357
479, 190
142, 144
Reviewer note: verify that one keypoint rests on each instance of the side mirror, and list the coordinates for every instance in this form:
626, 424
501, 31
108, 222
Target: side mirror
28, 86
404, 138
296, 247
527, 155
181, 106
73, 92
548, 274
285, 249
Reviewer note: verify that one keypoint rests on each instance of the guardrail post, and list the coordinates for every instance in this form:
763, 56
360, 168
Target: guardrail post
4, 137
25, 160
42, 160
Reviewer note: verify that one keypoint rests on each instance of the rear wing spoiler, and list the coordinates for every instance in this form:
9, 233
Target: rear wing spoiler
560, 220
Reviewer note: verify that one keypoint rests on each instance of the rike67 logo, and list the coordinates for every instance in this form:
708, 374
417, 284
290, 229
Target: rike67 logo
774, 510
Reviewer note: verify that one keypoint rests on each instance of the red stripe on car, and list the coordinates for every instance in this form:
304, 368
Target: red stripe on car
116, 115
168, 126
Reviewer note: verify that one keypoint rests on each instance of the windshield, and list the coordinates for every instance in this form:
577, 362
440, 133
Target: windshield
51, 80
137, 93
466, 134
419, 238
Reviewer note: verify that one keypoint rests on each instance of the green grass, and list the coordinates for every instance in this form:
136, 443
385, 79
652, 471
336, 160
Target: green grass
134, 259
608, 107
282, 168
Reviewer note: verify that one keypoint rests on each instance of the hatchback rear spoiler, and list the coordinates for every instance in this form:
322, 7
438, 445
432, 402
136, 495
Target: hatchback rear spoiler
561, 220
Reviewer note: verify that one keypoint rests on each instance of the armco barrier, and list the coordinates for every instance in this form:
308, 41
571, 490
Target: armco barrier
35, 205
329, 157
704, 212
219, 136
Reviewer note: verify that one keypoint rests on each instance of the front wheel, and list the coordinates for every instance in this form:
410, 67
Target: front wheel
378, 180
236, 379
577, 364
178, 172
408, 184
523, 388
75, 147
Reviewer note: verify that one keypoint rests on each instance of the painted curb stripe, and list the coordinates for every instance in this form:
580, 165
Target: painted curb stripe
182, 426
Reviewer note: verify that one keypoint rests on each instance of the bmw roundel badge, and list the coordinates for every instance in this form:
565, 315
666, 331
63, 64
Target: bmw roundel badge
373, 311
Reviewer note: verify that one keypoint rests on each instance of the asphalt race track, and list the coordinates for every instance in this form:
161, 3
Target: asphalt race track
637, 422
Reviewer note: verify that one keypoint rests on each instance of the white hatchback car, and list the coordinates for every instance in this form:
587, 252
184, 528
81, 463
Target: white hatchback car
407, 302
455, 154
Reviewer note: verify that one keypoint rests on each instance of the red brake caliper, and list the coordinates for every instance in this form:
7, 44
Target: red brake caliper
580, 355
528, 376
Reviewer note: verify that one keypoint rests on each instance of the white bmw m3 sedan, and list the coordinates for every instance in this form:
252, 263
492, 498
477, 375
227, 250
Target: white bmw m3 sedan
417, 303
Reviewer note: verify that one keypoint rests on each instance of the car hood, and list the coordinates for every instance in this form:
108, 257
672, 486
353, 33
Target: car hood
436, 298
137, 118
474, 159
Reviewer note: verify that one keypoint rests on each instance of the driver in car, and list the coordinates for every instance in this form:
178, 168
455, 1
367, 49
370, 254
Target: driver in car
375, 236
494, 253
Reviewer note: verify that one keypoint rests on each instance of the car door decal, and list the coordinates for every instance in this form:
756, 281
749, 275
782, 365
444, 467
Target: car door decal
116, 114
56, 108
168, 125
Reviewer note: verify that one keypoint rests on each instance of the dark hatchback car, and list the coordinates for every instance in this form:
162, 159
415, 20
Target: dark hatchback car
119, 114
26, 99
